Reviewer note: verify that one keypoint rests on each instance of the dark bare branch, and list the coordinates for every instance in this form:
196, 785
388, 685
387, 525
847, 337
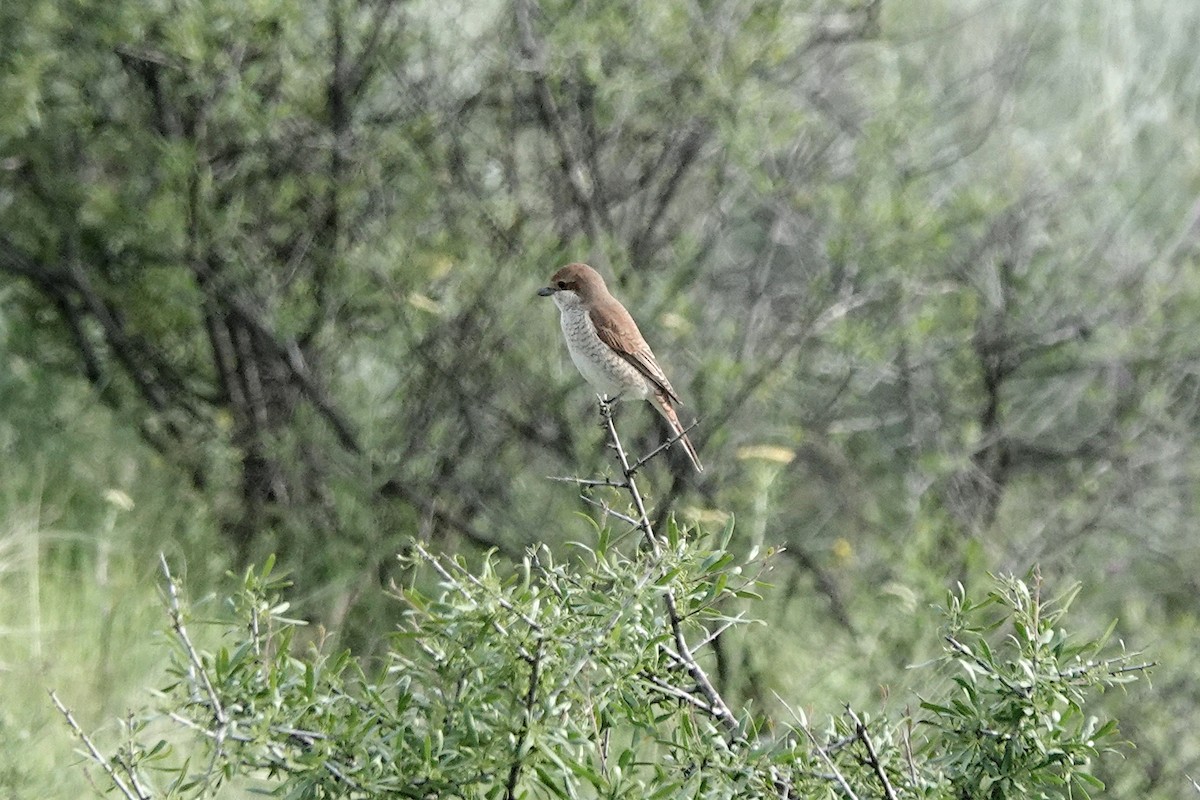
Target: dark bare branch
576, 176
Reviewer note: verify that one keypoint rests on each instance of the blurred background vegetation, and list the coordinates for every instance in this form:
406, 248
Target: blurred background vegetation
924, 270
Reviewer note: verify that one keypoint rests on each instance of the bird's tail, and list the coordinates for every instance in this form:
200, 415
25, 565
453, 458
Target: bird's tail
663, 403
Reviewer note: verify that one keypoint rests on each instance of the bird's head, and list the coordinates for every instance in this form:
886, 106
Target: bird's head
573, 285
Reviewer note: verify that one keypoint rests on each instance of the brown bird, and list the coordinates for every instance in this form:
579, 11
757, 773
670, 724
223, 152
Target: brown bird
607, 347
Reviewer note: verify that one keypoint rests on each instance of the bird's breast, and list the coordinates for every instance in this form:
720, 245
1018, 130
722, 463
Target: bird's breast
600, 365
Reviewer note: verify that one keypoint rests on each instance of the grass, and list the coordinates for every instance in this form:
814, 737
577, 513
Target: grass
82, 610
85, 510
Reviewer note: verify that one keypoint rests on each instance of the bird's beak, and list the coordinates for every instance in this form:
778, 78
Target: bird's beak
546, 291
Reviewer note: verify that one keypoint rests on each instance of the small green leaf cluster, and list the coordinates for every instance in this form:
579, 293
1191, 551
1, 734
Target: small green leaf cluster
1014, 723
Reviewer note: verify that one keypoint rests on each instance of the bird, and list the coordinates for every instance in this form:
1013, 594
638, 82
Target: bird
607, 347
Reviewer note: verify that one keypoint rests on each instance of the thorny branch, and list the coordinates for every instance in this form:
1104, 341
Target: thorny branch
664, 446
196, 670
132, 793
716, 705
860, 730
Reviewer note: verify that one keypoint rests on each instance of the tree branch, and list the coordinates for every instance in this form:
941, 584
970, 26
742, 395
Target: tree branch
686, 149
573, 168
860, 730
717, 707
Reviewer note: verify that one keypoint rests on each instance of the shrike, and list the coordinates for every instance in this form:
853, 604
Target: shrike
607, 347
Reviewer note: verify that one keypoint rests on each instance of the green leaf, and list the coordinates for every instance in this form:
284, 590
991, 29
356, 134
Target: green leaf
726, 534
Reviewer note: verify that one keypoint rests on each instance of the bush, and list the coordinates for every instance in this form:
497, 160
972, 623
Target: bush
589, 678
568, 680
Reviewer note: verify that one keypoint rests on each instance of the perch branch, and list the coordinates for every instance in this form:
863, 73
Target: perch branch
717, 707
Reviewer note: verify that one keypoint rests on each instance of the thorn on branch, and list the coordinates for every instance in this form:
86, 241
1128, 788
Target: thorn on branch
612, 512
609, 482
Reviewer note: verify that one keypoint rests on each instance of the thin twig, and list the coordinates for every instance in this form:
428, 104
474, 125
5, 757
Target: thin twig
514, 772
125, 759
729, 623
589, 481
612, 512
908, 750
436, 564
95, 754
675, 692
634, 493
661, 448
860, 731
829, 762
196, 666
1133, 668
1106, 665
720, 709
198, 728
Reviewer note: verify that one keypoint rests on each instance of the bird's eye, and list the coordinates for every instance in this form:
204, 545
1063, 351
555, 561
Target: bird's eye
562, 284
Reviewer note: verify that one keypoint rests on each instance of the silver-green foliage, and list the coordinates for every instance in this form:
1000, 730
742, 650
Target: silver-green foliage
561, 680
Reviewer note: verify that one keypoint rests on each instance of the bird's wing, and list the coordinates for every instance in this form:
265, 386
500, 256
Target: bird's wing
616, 328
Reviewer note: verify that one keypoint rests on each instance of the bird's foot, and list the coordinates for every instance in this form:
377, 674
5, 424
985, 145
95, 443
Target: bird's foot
606, 405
